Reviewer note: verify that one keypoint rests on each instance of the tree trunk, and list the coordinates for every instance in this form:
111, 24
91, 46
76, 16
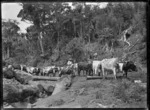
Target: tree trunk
8, 52
81, 29
74, 28
41, 44
58, 40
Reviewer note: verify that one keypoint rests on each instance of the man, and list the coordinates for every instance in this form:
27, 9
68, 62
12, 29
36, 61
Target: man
95, 56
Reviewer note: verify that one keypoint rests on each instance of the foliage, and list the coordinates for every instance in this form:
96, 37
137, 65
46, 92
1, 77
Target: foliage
75, 49
76, 32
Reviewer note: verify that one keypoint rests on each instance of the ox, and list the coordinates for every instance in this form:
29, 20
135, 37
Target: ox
127, 67
85, 66
48, 70
75, 68
37, 71
96, 65
30, 69
109, 64
66, 70
17, 66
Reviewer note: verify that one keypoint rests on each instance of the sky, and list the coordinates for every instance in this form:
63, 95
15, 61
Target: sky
11, 10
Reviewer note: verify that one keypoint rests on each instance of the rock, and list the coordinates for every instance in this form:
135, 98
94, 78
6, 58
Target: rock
137, 81
15, 92
11, 93
21, 105
105, 106
8, 73
69, 105
23, 77
50, 90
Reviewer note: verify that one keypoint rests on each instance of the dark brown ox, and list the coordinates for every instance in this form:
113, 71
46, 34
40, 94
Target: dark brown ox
85, 67
127, 66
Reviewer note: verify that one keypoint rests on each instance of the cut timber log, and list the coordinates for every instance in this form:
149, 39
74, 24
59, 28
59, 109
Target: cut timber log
94, 77
45, 78
62, 84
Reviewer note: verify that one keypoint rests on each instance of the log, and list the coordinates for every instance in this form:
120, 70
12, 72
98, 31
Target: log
23, 77
63, 83
45, 78
94, 77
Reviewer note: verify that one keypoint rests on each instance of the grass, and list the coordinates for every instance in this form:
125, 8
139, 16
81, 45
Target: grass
129, 92
59, 102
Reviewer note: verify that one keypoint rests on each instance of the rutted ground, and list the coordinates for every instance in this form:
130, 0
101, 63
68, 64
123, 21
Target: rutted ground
95, 93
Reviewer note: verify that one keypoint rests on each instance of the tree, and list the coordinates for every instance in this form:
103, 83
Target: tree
9, 36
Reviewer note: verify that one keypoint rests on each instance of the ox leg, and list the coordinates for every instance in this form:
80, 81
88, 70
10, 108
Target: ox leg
114, 71
91, 72
125, 74
103, 73
78, 72
95, 71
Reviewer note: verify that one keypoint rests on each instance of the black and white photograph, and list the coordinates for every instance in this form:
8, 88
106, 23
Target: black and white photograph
74, 54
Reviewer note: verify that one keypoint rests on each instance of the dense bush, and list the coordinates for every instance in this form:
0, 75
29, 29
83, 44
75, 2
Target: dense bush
75, 49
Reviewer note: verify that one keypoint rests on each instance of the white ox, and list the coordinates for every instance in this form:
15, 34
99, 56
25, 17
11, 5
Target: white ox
46, 70
96, 66
30, 69
110, 64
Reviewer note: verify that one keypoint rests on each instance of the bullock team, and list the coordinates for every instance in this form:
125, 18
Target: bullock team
91, 67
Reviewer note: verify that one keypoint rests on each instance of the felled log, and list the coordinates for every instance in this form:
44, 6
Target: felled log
94, 77
63, 83
23, 77
45, 78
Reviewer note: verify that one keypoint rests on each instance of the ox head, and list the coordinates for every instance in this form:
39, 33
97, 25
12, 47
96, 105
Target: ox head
132, 66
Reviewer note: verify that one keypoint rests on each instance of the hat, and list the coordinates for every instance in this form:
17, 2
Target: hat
95, 54
70, 59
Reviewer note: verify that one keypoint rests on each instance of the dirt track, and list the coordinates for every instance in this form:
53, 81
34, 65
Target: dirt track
97, 93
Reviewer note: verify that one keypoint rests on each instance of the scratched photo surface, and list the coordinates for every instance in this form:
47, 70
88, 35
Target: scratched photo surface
74, 54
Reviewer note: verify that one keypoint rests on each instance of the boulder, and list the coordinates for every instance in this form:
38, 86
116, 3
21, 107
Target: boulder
23, 77
16, 92
8, 73
11, 93
49, 90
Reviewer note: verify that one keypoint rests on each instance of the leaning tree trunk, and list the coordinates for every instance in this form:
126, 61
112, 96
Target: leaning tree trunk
41, 43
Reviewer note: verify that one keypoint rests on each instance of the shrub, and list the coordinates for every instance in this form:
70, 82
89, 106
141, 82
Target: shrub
99, 95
